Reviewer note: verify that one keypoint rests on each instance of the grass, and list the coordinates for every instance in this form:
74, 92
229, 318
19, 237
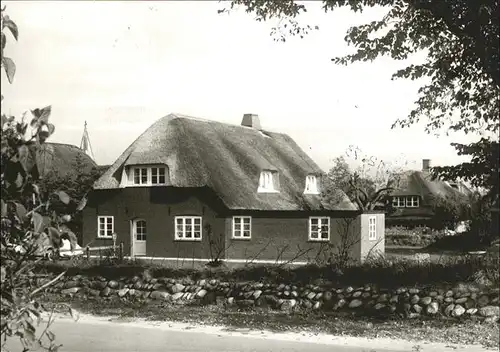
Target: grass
420, 330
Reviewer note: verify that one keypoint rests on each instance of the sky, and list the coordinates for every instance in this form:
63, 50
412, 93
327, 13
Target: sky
120, 66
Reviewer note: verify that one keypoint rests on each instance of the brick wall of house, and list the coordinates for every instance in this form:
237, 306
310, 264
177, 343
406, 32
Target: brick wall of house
376, 246
275, 235
158, 206
282, 236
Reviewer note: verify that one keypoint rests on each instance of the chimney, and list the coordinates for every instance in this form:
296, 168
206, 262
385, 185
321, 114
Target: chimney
251, 120
426, 164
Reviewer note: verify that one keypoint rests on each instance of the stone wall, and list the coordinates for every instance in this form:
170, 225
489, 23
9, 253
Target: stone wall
459, 301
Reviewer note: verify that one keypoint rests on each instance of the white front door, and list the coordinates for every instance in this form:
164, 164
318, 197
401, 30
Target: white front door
139, 233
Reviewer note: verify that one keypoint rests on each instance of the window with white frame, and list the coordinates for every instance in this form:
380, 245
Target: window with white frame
311, 185
242, 227
268, 181
412, 202
408, 202
158, 175
319, 228
140, 175
188, 228
372, 228
401, 202
105, 226
140, 230
148, 175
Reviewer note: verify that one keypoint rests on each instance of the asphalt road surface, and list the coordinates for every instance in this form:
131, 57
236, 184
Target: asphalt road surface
113, 337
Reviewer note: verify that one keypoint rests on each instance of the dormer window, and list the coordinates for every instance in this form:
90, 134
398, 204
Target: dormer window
268, 182
140, 175
158, 175
311, 185
146, 176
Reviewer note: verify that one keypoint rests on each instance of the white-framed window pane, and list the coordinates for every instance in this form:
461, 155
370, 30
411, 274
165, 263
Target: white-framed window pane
137, 176
154, 175
319, 228
105, 226
144, 175
188, 227
241, 227
162, 178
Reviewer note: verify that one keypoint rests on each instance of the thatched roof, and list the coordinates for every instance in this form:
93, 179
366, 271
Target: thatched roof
226, 158
423, 184
61, 159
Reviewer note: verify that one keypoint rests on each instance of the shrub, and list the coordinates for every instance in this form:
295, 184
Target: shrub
448, 211
29, 219
380, 272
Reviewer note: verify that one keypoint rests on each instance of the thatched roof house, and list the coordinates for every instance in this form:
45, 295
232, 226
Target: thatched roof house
416, 189
187, 183
61, 159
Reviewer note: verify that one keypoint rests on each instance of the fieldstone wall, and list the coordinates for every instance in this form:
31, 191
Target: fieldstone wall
459, 301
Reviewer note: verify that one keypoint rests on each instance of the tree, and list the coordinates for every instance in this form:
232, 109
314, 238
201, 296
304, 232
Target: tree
29, 220
448, 211
483, 172
77, 185
367, 185
461, 38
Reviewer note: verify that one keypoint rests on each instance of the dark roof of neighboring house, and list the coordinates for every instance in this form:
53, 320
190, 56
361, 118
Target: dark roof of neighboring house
60, 158
421, 183
226, 158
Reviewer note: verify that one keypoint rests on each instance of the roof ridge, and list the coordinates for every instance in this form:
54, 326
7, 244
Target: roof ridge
203, 119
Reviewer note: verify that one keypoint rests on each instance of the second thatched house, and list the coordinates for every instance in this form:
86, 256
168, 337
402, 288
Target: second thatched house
412, 200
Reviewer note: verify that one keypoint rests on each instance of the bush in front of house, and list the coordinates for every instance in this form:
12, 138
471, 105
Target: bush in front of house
421, 236
448, 211
379, 271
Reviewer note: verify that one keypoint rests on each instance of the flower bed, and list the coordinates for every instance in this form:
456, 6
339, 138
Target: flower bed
414, 237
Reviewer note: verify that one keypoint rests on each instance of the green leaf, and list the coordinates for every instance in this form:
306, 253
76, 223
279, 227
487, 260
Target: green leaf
38, 222
63, 196
9, 67
82, 204
19, 181
51, 128
3, 274
23, 153
11, 25
20, 211
4, 120
3, 208
66, 218
42, 115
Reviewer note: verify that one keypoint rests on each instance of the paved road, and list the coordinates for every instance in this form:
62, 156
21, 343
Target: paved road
92, 336
87, 337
